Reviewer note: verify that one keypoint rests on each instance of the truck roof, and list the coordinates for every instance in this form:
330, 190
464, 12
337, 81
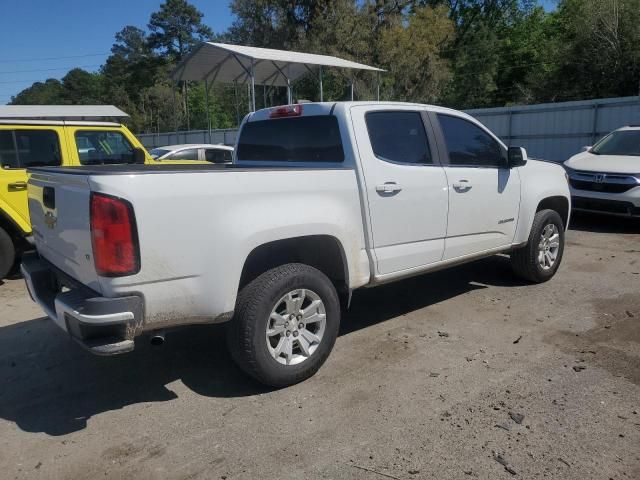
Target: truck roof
327, 108
92, 115
20, 121
61, 112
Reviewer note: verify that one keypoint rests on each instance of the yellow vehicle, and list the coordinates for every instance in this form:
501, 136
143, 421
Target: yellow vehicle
55, 135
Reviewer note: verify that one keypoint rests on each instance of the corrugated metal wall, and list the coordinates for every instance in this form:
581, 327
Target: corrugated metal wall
552, 131
556, 131
152, 140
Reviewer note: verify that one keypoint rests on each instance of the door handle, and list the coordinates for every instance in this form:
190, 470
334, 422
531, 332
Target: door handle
462, 185
388, 187
17, 186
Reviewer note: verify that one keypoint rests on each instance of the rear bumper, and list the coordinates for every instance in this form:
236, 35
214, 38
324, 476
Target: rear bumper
104, 326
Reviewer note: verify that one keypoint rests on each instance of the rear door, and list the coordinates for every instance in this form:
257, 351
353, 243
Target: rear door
484, 194
22, 147
406, 187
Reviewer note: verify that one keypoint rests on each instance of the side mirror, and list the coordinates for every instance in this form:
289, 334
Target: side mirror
139, 156
517, 157
586, 148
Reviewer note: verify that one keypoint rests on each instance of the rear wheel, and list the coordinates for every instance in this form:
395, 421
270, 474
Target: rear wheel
7, 253
540, 258
285, 324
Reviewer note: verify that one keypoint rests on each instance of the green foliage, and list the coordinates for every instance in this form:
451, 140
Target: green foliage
412, 52
460, 53
78, 87
176, 28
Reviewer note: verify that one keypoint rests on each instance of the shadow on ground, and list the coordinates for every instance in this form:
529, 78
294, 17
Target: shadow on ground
50, 385
589, 222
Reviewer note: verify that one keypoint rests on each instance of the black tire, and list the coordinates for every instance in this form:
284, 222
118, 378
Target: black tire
7, 253
524, 261
246, 334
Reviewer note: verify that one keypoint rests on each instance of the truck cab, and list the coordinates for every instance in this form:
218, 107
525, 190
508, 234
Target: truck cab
53, 136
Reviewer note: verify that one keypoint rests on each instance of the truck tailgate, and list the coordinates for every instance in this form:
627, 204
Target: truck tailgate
59, 205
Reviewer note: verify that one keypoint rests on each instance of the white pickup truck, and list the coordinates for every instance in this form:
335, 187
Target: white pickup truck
323, 198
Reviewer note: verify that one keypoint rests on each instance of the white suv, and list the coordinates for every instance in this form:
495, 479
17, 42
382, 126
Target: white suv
605, 178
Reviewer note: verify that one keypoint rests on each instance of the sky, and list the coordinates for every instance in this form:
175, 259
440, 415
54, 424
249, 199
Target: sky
36, 34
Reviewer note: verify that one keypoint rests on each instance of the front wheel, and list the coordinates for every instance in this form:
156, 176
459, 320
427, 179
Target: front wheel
285, 324
540, 258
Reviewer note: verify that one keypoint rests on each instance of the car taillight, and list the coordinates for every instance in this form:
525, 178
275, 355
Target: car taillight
286, 111
114, 236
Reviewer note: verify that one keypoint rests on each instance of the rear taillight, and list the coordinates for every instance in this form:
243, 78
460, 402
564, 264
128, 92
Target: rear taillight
114, 236
286, 111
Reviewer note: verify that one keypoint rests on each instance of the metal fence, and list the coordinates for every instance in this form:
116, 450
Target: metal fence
556, 131
552, 131
151, 140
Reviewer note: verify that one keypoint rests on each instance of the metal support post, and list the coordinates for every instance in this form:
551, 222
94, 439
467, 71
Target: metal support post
235, 96
253, 88
206, 104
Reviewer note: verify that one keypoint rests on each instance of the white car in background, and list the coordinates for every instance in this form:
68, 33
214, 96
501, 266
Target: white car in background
194, 151
605, 178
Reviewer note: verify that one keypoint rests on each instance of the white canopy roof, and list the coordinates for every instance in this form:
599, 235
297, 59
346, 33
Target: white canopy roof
226, 63
58, 112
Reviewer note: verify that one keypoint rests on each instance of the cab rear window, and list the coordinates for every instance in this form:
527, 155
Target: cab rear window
96, 147
301, 139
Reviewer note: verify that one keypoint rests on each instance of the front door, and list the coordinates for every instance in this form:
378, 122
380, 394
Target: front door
406, 188
484, 194
20, 148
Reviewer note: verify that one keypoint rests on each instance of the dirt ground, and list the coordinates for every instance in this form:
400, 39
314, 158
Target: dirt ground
428, 379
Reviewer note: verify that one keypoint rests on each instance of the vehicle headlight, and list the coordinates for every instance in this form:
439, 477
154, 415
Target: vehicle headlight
567, 172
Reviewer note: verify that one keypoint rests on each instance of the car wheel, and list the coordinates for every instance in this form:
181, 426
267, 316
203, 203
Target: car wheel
285, 324
540, 258
7, 253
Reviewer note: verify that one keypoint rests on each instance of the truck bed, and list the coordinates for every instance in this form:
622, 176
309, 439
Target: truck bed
194, 231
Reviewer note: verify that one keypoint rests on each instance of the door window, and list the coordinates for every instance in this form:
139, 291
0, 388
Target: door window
399, 137
97, 147
217, 155
188, 154
469, 145
29, 148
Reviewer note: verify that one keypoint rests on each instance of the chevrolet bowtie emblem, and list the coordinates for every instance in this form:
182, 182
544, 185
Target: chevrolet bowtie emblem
50, 219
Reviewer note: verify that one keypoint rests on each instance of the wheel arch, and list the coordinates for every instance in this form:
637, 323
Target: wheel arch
557, 203
9, 225
324, 252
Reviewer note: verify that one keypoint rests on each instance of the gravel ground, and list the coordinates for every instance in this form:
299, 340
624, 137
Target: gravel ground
465, 373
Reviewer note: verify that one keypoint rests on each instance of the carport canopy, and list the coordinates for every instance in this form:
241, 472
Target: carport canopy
220, 62
233, 63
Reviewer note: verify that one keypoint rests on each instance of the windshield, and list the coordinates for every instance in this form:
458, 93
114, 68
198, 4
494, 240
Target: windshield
157, 153
620, 142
